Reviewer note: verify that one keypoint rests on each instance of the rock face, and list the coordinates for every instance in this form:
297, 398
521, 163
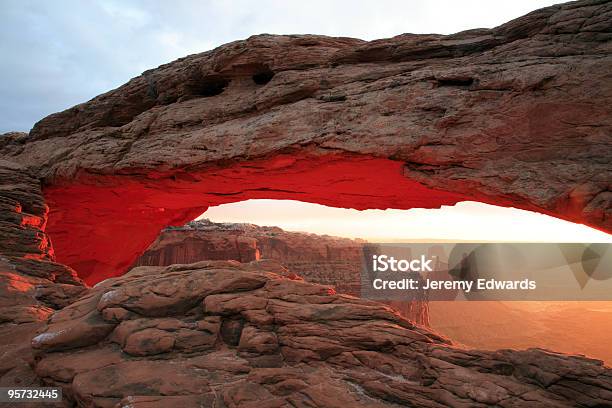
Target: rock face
516, 115
32, 284
326, 260
319, 259
221, 333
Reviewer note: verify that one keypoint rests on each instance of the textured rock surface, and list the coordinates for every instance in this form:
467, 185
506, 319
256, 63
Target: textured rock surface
32, 282
319, 259
32, 285
221, 333
516, 115
322, 259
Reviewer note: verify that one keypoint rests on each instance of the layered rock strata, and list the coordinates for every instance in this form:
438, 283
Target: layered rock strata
32, 284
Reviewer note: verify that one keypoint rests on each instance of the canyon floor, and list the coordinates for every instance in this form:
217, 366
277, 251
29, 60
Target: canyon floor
568, 327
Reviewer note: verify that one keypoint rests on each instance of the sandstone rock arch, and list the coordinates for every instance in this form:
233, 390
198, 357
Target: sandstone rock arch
517, 115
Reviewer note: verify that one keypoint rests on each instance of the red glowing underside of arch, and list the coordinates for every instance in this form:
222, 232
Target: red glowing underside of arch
99, 225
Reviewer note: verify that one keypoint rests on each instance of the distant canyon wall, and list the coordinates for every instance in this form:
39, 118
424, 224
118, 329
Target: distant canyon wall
319, 259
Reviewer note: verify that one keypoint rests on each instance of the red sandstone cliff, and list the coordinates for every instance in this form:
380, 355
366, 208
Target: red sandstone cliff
32, 284
319, 259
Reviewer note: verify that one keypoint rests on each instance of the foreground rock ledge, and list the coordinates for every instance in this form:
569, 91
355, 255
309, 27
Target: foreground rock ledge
221, 333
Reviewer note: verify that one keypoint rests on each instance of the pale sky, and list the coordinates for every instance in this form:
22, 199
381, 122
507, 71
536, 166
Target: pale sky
56, 54
466, 221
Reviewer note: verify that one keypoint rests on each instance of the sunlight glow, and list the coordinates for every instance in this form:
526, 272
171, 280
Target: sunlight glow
466, 221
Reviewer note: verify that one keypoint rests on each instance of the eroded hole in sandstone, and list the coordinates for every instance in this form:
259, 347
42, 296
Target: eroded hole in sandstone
263, 77
209, 86
231, 330
454, 82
